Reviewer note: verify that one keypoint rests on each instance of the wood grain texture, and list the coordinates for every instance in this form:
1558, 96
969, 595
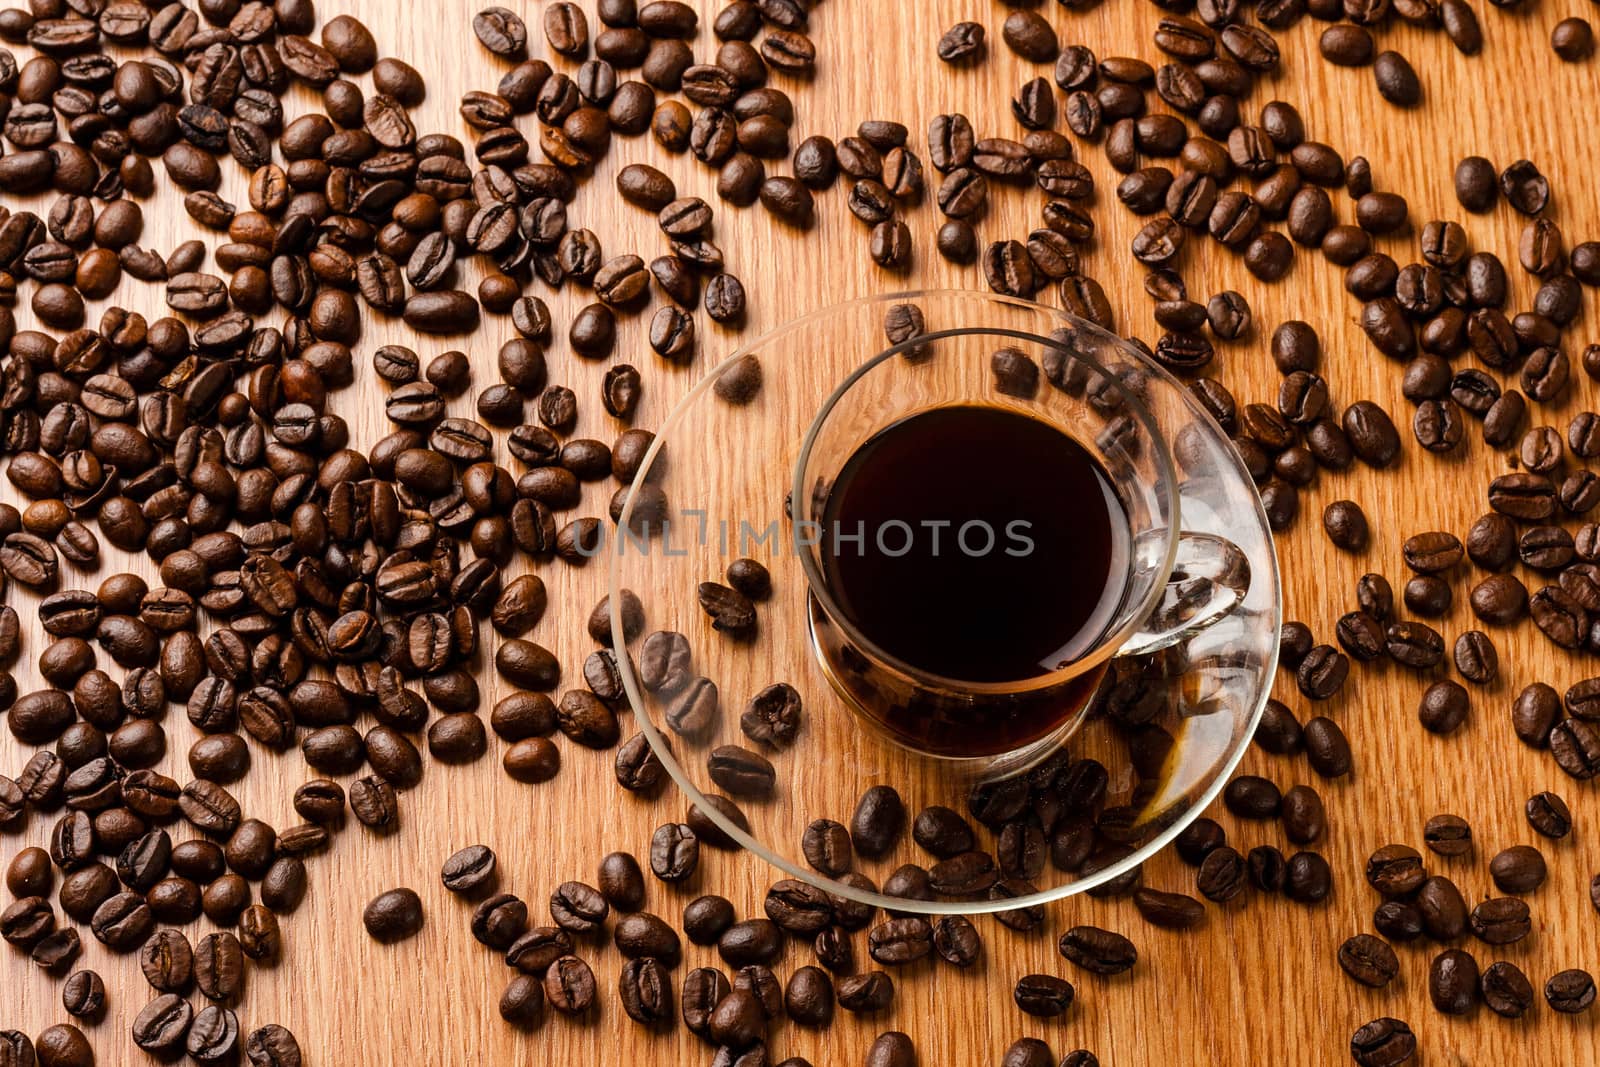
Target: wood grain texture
1255, 984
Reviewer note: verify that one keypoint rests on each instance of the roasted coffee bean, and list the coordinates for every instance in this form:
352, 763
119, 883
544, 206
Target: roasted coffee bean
1252, 797
1203, 836
1222, 875
1448, 835
1548, 814
1042, 995
1518, 869
580, 715
900, 941
578, 908
1572, 39
1302, 815
1524, 187
1491, 541
499, 920
29, 873
788, 51
1443, 911
694, 710
393, 916
1383, 1042
1229, 315
964, 874
569, 986
1295, 640
706, 918
1028, 35
122, 922
501, 32
1295, 347
1476, 658
808, 997
1428, 595
260, 935
1015, 374
1395, 870
162, 1026
1570, 992
1369, 961
890, 245
1500, 921
674, 852
83, 995
1453, 982
1444, 707
879, 819
1322, 672
943, 832
703, 989
1505, 990
1347, 45
1397, 80
724, 301
642, 935
961, 42
27, 922
1535, 714
1307, 878
955, 939
522, 1002
1169, 910
621, 881
1559, 616
1500, 599
1346, 525
750, 941
1098, 951
1477, 186
762, 984
731, 611
866, 994
908, 881
1372, 435
219, 966
826, 846
788, 199
1009, 270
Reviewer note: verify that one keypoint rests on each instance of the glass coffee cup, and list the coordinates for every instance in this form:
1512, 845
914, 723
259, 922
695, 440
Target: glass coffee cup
1161, 586
763, 700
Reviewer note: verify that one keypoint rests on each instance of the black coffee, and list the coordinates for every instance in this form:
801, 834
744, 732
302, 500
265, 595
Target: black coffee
991, 547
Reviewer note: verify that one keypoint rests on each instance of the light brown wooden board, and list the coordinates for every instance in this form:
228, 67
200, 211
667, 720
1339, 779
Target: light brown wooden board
1257, 983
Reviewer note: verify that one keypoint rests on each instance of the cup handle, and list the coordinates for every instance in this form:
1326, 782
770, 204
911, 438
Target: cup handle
1210, 577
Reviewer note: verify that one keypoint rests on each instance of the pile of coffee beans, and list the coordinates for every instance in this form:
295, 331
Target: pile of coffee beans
737, 1016
318, 596
1417, 904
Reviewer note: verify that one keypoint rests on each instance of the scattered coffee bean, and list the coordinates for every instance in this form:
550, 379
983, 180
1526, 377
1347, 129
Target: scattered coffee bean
1369, 961
1453, 982
1383, 1042
1518, 869
1570, 992
393, 916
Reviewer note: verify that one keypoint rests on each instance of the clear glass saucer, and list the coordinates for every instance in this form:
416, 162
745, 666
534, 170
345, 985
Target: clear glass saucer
1153, 748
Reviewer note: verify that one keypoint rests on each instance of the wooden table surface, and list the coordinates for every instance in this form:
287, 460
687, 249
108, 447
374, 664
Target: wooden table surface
1258, 982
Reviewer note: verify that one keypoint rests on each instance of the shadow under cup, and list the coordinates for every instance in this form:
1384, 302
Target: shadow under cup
990, 728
